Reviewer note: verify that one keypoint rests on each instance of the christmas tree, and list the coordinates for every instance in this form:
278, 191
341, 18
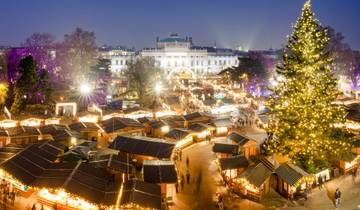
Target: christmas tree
302, 116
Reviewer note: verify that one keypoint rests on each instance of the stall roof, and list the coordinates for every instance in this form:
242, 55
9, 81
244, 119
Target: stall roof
178, 133
257, 174
290, 173
199, 127
93, 184
50, 129
31, 161
225, 122
233, 162
239, 139
9, 151
143, 145
79, 126
56, 175
116, 162
144, 194
195, 115
145, 119
159, 171
116, 123
225, 148
22, 130
157, 124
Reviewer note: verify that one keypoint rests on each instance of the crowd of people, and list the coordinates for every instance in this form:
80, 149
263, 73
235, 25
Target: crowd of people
7, 193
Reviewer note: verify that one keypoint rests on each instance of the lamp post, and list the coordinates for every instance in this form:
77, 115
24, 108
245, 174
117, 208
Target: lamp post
158, 90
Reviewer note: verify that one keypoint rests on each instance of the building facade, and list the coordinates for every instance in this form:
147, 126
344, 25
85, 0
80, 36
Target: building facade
178, 56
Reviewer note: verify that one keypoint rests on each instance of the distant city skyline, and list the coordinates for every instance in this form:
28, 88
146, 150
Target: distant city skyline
255, 24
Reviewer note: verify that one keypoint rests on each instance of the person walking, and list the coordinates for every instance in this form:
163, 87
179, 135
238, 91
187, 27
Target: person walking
337, 198
188, 177
182, 182
220, 203
320, 182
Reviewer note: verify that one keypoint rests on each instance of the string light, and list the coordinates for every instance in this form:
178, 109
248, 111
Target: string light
302, 116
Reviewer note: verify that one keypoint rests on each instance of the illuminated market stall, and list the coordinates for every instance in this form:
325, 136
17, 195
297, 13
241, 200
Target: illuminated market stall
292, 180
163, 173
254, 182
142, 148
232, 167
247, 146
181, 137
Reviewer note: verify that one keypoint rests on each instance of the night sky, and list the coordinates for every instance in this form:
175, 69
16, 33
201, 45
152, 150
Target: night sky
254, 24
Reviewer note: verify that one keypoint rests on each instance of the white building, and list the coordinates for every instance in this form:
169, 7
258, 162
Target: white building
177, 55
119, 57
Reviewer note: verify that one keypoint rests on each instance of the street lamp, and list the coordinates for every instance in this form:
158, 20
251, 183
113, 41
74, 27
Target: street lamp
85, 89
158, 88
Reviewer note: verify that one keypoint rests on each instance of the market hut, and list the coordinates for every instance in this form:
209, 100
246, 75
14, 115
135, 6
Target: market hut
4, 138
254, 183
247, 146
140, 195
9, 123
174, 121
231, 167
197, 117
120, 126
223, 126
23, 134
181, 137
158, 128
142, 148
224, 150
201, 131
57, 133
78, 185
291, 180
33, 122
349, 163
163, 173
145, 121
356, 147
85, 130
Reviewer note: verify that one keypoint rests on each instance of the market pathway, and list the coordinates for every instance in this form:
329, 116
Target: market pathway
204, 179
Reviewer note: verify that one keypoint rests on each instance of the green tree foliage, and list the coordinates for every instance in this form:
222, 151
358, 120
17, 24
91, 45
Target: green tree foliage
32, 87
253, 67
45, 86
302, 116
143, 75
26, 85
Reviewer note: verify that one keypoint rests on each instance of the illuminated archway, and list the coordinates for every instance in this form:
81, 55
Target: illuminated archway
182, 73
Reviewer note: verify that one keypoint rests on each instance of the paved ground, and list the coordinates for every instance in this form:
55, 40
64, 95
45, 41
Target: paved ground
204, 179
198, 195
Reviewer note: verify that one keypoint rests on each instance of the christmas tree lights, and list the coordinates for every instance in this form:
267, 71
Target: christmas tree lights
301, 112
